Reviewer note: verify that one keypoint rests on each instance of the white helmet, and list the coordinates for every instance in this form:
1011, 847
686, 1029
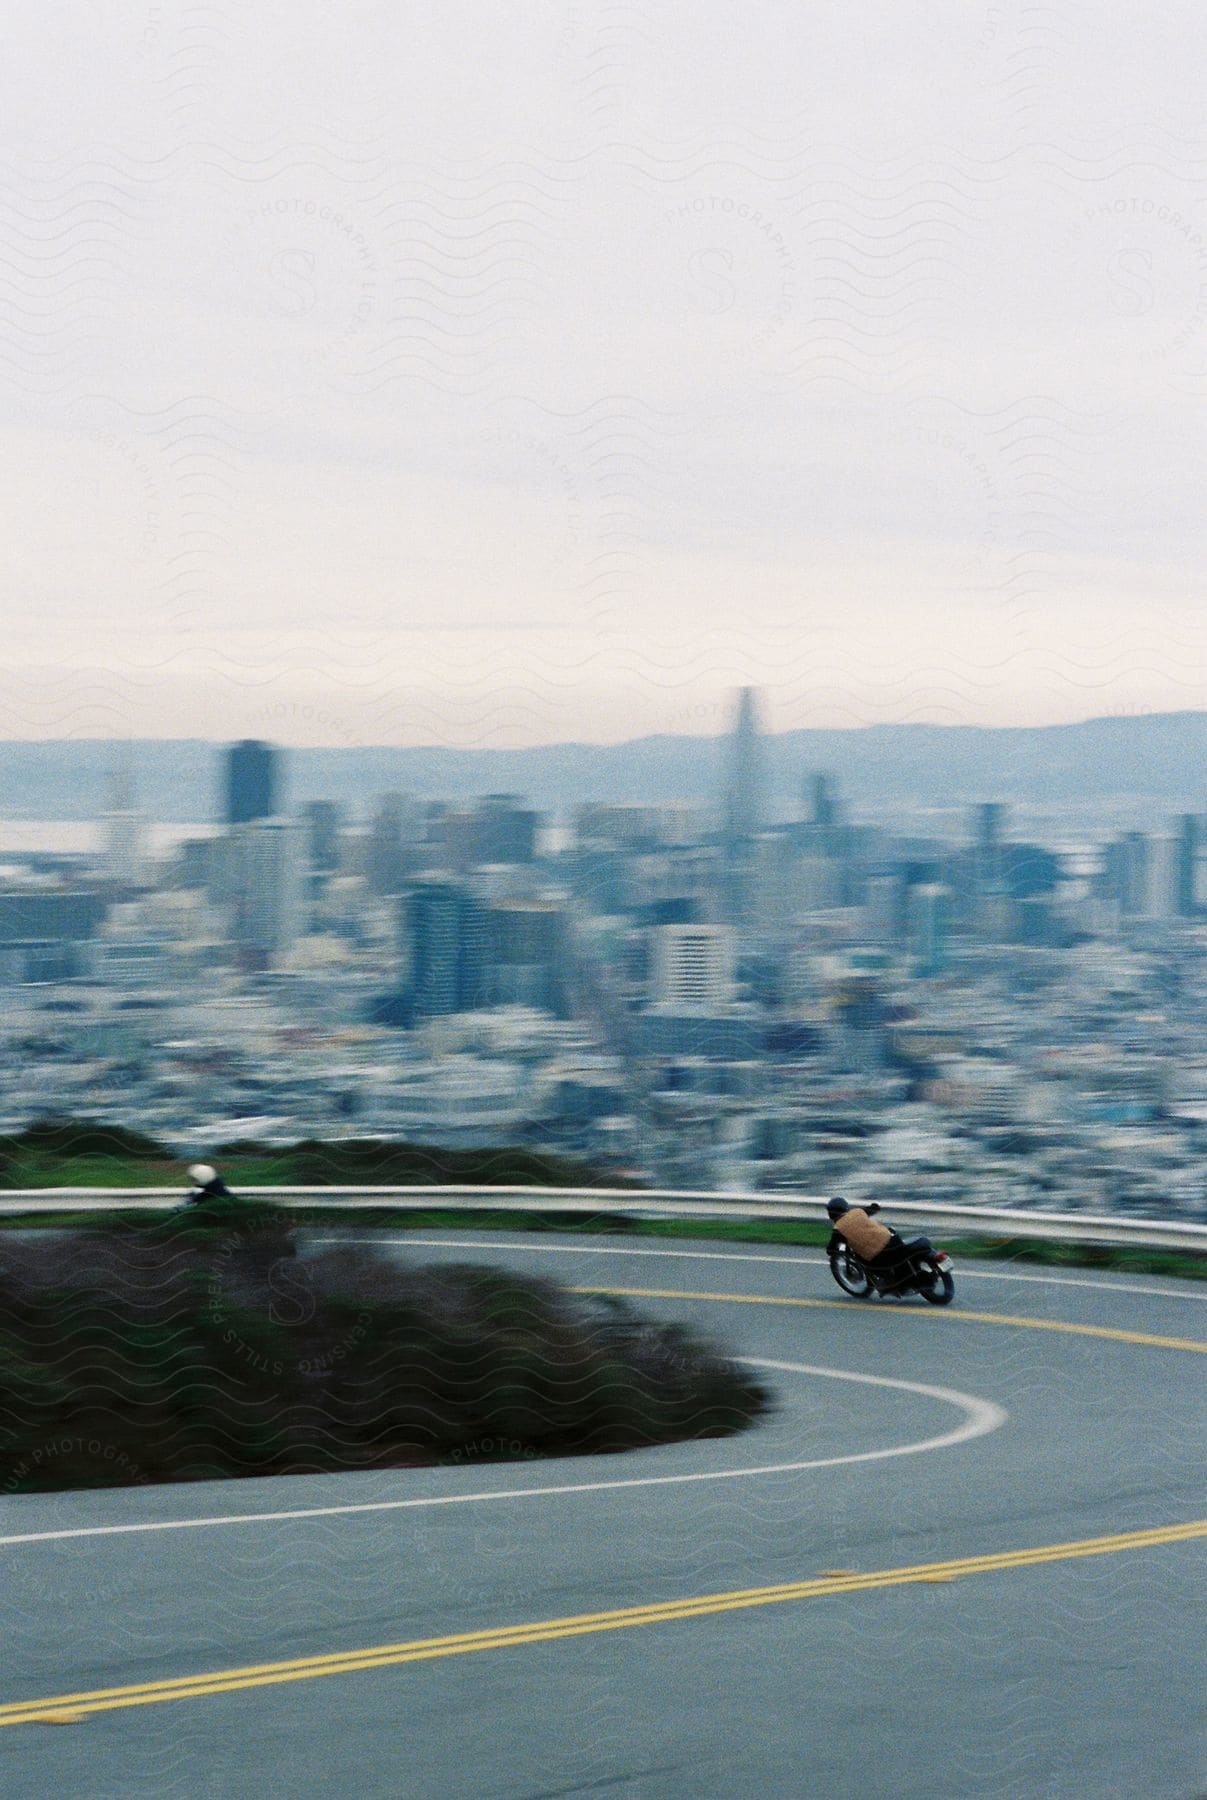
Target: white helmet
201, 1175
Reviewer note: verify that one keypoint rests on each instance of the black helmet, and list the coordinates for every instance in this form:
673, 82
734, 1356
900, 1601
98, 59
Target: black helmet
837, 1207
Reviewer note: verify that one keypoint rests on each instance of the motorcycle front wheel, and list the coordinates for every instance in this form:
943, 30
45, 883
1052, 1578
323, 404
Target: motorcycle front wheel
851, 1276
939, 1289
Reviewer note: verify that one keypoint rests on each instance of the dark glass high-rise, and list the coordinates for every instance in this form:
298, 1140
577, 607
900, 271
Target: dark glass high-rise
252, 773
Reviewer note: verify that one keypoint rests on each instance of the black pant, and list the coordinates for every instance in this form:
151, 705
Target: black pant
897, 1252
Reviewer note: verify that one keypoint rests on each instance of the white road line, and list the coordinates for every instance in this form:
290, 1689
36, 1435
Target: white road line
980, 1417
967, 1270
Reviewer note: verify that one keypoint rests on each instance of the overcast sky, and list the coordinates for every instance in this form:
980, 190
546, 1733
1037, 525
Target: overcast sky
497, 375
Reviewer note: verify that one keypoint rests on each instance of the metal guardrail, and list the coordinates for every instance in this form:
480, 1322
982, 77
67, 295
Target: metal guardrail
999, 1223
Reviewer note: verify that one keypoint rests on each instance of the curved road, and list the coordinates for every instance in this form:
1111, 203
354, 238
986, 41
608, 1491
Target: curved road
963, 1558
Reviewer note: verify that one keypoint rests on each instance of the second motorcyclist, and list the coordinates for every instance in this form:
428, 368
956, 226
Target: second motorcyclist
207, 1185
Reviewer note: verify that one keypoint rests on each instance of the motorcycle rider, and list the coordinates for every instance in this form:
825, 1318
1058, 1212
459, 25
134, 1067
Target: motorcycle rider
873, 1244
207, 1185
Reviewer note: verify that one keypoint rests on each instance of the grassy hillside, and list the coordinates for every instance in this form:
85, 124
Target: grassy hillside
83, 1153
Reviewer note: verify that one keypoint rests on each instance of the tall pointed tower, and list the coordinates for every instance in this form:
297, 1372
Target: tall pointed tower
744, 774
743, 804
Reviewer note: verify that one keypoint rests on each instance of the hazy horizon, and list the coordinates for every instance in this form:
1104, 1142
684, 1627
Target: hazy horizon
1151, 761
717, 710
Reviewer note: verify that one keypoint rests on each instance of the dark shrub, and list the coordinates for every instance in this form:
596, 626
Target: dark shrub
204, 1344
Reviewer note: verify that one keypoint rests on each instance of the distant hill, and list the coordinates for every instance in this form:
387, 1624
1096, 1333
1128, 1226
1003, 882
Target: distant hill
1157, 756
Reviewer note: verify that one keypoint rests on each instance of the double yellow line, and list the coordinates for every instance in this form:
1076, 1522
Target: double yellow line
67, 1708
1111, 1332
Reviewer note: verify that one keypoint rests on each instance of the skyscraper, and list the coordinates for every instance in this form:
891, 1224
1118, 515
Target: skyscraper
504, 830
927, 927
744, 775
528, 955
1127, 873
445, 939
1188, 880
322, 855
823, 800
743, 804
323, 820
251, 781
391, 850
266, 873
988, 820
122, 856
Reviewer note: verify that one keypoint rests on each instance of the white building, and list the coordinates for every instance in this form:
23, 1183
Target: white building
122, 857
692, 966
266, 866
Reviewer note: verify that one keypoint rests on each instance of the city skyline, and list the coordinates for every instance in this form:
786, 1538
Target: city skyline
704, 995
1106, 768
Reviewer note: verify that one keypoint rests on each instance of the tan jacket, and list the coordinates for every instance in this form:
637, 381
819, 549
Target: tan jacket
867, 1237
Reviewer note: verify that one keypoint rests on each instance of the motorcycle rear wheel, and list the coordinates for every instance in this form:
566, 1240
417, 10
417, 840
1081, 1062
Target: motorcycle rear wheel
940, 1289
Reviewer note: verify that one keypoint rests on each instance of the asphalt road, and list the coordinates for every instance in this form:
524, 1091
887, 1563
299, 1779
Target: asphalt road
1015, 1612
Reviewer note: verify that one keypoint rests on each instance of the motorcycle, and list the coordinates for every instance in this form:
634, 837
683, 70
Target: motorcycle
925, 1272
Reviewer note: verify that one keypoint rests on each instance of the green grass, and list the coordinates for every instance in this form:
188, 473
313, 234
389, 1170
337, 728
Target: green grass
82, 1153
